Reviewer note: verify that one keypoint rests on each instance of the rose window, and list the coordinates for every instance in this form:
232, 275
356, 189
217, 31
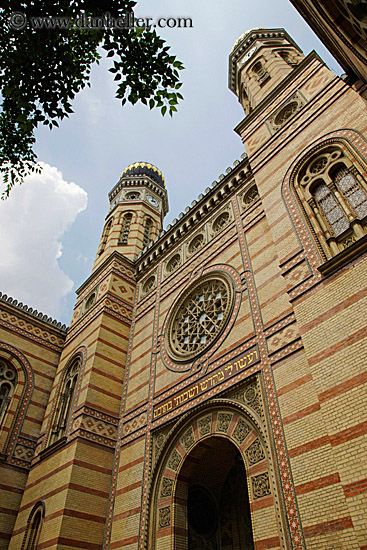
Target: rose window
199, 317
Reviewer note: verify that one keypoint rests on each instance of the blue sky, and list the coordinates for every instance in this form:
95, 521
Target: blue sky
51, 225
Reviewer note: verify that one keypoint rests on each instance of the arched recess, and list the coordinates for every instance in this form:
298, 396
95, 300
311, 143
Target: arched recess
314, 231
210, 448
77, 360
17, 407
34, 526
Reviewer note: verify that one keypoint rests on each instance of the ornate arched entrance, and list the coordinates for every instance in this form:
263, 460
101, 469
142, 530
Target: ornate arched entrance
213, 487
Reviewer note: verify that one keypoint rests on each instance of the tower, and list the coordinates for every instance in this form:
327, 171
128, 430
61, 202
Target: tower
138, 204
259, 61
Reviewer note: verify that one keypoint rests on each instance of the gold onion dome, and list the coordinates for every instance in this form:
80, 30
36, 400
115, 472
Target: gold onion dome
244, 34
144, 169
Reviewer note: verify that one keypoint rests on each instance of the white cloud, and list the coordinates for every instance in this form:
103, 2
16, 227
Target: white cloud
32, 223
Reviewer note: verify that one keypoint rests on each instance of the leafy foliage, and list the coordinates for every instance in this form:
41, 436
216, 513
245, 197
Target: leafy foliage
41, 71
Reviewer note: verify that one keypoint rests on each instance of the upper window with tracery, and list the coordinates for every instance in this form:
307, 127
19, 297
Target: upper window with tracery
65, 401
336, 196
8, 381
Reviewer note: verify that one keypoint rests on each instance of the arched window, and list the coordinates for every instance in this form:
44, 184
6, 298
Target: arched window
106, 231
125, 228
335, 196
260, 72
289, 57
8, 381
33, 530
65, 401
147, 232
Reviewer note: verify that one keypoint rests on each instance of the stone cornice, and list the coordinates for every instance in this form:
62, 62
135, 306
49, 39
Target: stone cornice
273, 94
32, 315
200, 209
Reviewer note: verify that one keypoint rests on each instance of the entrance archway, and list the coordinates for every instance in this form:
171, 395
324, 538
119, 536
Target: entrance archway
216, 459
213, 483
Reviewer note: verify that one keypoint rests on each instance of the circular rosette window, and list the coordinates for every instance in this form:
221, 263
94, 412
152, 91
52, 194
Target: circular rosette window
199, 317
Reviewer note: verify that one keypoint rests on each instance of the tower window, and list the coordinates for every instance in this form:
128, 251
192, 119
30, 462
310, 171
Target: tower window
33, 530
8, 381
289, 57
260, 72
65, 400
125, 228
106, 232
147, 232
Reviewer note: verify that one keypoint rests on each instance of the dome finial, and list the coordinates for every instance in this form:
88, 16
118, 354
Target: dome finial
144, 168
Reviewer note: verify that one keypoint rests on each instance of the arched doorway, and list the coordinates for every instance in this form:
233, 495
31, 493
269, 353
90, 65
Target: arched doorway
213, 486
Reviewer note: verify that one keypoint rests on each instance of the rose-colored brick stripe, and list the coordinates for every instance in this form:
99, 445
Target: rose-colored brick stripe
315, 484
101, 390
301, 413
128, 488
263, 544
114, 332
341, 306
123, 542
343, 387
132, 512
348, 434
262, 503
328, 527
355, 488
311, 445
295, 384
341, 345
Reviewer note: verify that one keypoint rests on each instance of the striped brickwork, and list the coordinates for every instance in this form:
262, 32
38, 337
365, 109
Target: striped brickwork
72, 477
32, 345
321, 390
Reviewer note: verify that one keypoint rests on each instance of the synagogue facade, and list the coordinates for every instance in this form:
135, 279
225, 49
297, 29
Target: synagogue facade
210, 391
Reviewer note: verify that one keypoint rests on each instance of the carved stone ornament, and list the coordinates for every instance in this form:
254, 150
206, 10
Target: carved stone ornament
221, 222
199, 316
175, 460
165, 517
223, 422
250, 197
196, 244
241, 431
149, 285
261, 485
188, 439
255, 452
204, 425
173, 263
167, 487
